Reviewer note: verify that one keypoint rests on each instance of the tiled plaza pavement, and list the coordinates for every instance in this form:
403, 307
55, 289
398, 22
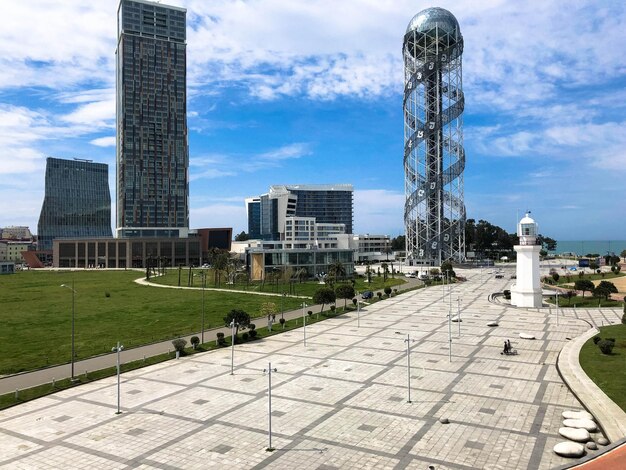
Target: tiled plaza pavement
338, 403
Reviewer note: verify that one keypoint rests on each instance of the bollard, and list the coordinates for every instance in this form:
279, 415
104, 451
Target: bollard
144, 358
17, 393
85, 373
53, 382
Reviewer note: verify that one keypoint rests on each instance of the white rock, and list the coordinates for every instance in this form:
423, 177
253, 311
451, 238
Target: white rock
443, 420
603, 441
569, 449
526, 336
575, 434
591, 445
581, 424
577, 415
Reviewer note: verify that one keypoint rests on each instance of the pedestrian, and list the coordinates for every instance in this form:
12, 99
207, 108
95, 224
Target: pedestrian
508, 344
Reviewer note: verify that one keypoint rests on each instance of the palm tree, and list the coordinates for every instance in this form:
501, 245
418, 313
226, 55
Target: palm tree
337, 270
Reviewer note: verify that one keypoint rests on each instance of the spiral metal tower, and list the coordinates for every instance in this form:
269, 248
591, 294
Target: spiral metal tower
434, 159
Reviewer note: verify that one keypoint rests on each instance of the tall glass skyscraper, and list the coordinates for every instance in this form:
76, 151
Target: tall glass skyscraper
77, 201
152, 147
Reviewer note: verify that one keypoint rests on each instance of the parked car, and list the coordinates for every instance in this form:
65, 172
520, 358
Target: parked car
368, 294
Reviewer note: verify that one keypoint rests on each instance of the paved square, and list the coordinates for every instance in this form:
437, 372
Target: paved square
339, 403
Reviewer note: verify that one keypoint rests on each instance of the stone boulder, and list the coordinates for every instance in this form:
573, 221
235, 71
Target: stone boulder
581, 424
591, 445
569, 449
526, 336
575, 434
603, 441
577, 415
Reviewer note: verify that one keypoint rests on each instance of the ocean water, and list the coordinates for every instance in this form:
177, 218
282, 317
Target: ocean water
582, 247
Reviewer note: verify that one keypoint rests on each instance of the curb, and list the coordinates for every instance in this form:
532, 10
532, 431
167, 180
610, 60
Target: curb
610, 417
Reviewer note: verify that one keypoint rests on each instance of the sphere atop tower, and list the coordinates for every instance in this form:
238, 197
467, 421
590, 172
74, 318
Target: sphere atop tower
430, 18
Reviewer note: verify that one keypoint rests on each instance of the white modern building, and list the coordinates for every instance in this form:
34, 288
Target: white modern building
526, 292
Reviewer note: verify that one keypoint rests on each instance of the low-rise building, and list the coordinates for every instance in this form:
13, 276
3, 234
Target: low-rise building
12, 250
372, 248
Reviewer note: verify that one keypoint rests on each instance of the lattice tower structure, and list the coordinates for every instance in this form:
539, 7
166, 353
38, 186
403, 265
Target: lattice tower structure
434, 158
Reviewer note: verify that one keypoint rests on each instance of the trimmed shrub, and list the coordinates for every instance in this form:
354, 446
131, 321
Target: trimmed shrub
556, 277
332, 308
354, 301
388, 291
179, 344
395, 291
606, 346
282, 322
380, 295
220, 339
245, 336
507, 294
195, 341
107, 294
309, 312
253, 334
596, 339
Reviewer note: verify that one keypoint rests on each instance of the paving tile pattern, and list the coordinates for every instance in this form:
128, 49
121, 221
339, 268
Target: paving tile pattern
339, 403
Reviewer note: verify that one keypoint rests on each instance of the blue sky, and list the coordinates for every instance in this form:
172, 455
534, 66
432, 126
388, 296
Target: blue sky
288, 92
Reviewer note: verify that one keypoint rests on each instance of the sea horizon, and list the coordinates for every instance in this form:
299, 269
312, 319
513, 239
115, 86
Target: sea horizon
583, 247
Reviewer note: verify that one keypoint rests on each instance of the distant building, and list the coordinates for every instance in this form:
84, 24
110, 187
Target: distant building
126, 252
327, 204
16, 233
152, 147
11, 250
77, 202
253, 211
7, 267
372, 248
220, 238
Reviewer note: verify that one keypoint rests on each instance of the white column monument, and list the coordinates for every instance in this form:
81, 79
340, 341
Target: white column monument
526, 292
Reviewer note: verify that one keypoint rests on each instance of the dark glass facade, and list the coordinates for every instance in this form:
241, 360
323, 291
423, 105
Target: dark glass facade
327, 206
254, 218
77, 201
152, 146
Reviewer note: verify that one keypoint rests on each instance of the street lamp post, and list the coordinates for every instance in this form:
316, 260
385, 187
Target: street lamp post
458, 313
557, 308
358, 311
408, 364
73, 316
117, 349
282, 302
269, 371
232, 347
304, 305
202, 274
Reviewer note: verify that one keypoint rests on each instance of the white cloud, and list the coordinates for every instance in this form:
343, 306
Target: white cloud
104, 141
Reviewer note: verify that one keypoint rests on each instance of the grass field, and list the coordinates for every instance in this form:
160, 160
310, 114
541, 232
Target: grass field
588, 301
35, 314
608, 371
572, 278
171, 278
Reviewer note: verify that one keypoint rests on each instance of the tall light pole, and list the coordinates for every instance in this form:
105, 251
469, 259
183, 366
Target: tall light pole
73, 316
269, 371
408, 364
232, 347
557, 308
202, 274
358, 310
458, 313
282, 302
117, 349
304, 305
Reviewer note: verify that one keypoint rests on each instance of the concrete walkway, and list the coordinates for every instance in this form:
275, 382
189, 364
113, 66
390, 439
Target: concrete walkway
21, 381
339, 402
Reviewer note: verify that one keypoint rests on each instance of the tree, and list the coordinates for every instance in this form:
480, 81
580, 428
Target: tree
337, 270
240, 317
593, 265
344, 291
605, 289
268, 309
623, 255
549, 244
446, 269
385, 267
399, 243
242, 237
584, 285
324, 295
614, 260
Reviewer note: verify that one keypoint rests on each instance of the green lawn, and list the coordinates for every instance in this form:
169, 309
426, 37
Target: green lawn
307, 288
588, 301
608, 372
35, 314
572, 278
